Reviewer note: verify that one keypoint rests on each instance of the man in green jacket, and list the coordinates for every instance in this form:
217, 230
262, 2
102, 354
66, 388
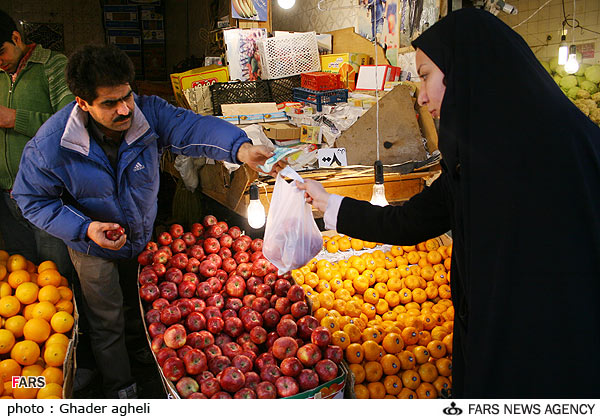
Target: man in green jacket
32, 88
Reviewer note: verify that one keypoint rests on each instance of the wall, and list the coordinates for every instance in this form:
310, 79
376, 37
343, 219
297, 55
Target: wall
548, 22
305, 16
81, 19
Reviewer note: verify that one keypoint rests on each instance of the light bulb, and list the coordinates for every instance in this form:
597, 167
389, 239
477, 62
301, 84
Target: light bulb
572, 66
256, 211
378, 197
286, 4
563, 51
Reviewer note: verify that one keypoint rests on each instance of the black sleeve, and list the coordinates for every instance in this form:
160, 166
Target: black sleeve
426, 215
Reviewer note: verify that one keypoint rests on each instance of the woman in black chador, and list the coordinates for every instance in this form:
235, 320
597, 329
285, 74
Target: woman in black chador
520, 190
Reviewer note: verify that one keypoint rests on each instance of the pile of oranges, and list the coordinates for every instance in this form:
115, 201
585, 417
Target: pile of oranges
391, 313
36, 317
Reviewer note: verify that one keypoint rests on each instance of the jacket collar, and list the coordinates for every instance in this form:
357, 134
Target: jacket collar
77, 138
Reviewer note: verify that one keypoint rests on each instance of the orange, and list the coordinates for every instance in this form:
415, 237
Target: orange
410, 335
434, 257
444, 366
9, 306
5, 289
381, 288
3, 256
376, 390
421, 354
360, 282
369, 310
25, 393
353, 332
320, 313
441, 383
407, 393
49, 293
354, 353
393, 343
53, 375
17, 277
27, 292
37, 329
389, 316
8, 369
330, 322
373, 371
7, 341
339, 305
357, 244
426, 391
405, 296
359, 373
16, 262
332, 246
419, 295
15, 325
371, 296
411, 379
58, 339
51, 389
311, 279
25, 352
428, 372
344, 244
394, 284
28, 311
424, 338
33, 370
45, 265
65, 293
403, 267
341, 339
439, 332
431, 291
349, 287
393, 385
336, 284
396, 250
444, 291
359, 264
54, 355
62, 322
3, 272
372, 350
326, 299
368, 273
447, 264
437, 349
7, 390
407, 360
448, 342
391, 364
382, 307
372, 334
361, 392
67, 306
440, 278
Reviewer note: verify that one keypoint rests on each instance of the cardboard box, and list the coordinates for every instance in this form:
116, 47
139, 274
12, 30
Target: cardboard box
281, 131
125, 39
121, 17
196, 77
346, 64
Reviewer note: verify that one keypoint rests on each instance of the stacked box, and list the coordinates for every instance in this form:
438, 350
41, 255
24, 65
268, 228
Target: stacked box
123, 30
346, 65
153, 43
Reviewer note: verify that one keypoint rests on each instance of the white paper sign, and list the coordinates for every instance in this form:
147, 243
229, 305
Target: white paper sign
332, 157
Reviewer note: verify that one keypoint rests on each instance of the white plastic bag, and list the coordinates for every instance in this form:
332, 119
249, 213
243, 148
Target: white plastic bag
292, 237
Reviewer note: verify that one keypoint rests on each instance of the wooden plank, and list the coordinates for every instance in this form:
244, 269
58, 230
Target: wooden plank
398, 126
346, 40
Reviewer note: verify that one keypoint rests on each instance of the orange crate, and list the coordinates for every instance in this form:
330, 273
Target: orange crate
320, 81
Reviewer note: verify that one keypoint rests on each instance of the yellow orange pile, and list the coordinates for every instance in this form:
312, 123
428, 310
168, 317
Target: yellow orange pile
36, 317
390, 312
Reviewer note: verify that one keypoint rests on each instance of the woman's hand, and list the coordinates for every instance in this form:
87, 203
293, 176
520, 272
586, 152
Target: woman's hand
315, 194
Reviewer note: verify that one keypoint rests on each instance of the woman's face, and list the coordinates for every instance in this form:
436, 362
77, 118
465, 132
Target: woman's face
432, 88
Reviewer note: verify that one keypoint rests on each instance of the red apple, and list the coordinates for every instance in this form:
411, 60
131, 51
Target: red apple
334, 353
233, 326
265, 359
327, 370
256, 244
151, 246
211, 246
244, 270
153, 315
176, 230
209, 220
284, 347
229, 264
156, 328
252, 283
218, 364
225, 252
215, 284
266, 390
232, 379
242, 362
181, 352
193, 265
258, 335
223, 225
145, 257
282, 287
163, 354
221, 395
167, 250
295, 293
235, 287
231, 350
208, 268
211, 312
216, 299
203, 290
174, 275
270, 278
173, 368
170, 315
149, 292
299, 309
241, 257
189, 239
160, 269
321, 337
283, 306
306, 325
260, 304
178, 246
114, 234
195, 321
225, 241
196, 251
187, 289
160, 303
286, 386
179, 261
210, 386
214, 231
197, 230
222, 339
175, 336
195, 361
235, 232
205, 375
165, 239
271, 318
228, 313
308, 379
252, 319
263, 291
186, 386
291, 366
271, 337
215, 325
256, 256
199, 304
250, 346
197, 395
247, 301
190, 277
270, 373
287, 328
309, 354
245, 393
234, 304
206, 339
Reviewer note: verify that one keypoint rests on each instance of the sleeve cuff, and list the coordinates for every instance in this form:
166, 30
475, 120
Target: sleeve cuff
83, 231
331, 213
243, 138
22, 122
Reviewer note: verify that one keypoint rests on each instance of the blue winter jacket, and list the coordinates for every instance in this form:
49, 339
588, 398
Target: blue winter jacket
65, 180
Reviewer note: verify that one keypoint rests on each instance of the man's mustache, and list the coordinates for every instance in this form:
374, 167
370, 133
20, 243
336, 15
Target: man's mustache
121, 118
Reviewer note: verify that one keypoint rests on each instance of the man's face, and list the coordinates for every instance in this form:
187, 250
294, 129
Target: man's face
113, 108
10, 55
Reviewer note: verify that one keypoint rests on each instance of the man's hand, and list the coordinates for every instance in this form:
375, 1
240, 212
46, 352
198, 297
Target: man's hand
315, 194
7, 117
96, 232
255, 155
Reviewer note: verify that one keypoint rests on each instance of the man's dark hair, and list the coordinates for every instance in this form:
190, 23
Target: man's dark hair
7, 27
98, 66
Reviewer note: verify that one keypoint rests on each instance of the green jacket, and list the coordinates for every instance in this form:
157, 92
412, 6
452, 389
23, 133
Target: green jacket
39, 91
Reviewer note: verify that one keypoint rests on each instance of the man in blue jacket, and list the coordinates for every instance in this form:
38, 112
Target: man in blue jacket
94, 166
